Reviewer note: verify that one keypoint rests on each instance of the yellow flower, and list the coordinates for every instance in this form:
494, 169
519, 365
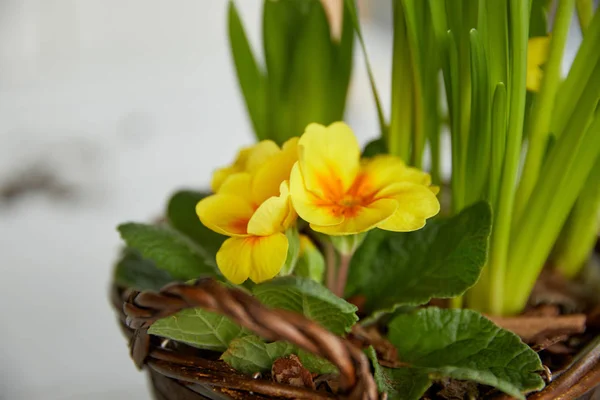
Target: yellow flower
252, 205
537, 54
338, 195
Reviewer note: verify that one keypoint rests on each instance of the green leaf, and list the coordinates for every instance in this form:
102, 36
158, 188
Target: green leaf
462, 344
538, 19
251, 79
167, 249
375, 147
293, 251
399, 383
311, 263
181, 213
352, 12
311, 71
198, 328
441, 260
249, 354
316, 364
132, 271
343, 52
310, 299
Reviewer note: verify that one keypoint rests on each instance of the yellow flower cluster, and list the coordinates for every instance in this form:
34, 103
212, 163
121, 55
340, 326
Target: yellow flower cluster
319, 177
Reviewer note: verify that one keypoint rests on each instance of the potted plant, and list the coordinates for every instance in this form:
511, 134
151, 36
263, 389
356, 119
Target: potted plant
317, 269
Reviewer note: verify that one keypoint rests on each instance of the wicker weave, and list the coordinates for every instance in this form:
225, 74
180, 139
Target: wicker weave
184, 375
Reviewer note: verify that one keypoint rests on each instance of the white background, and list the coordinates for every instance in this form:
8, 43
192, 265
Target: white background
123, 101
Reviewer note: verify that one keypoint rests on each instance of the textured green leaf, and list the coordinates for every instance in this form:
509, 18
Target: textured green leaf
249, 354
441, 260
309, 298
462, 344
167, 249
251, 79
198, 328
399, 383
181, 213
132, 271
311, 263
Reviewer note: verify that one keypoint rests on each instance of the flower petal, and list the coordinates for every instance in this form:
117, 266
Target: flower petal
258, 257
537, 55
238, 184
363, 218
269, 217
239, 165
276, 169
329, 159
268, 256
310, 207
260, 153
416, 203
225, 214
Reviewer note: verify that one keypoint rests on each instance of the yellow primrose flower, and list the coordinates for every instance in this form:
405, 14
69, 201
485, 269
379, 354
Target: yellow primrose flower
537, 54
252, 205
338, 195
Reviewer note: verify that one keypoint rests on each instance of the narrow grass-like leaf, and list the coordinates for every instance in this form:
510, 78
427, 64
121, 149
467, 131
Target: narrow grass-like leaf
518, 36
251, 79
402, 112
343, 52
351, 7
499, 123
538, 127
479, 146
580, 73
551, 201
585, 10
578, 235
310, 72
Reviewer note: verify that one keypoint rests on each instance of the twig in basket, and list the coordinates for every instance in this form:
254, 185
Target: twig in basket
536, 329
578, 374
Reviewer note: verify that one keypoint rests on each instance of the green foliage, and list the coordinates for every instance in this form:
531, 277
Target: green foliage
181, 215
399, 383
198, 328
462, 344
249, 354
252, 80
311, 264
132, 271
306, 73
169, 250
443, 259
310, 299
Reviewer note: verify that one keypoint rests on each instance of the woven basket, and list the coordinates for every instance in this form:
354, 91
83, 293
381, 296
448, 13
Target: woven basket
181, 372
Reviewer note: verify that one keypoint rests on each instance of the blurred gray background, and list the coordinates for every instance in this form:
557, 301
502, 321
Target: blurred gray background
106, 107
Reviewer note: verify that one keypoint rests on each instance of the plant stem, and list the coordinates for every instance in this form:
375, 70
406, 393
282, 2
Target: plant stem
587, 361
518, 34
578, 236
342, 274
585, 10
331, 266
541, 113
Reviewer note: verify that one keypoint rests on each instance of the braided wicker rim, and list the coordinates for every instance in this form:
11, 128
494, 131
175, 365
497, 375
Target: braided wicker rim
141, 309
